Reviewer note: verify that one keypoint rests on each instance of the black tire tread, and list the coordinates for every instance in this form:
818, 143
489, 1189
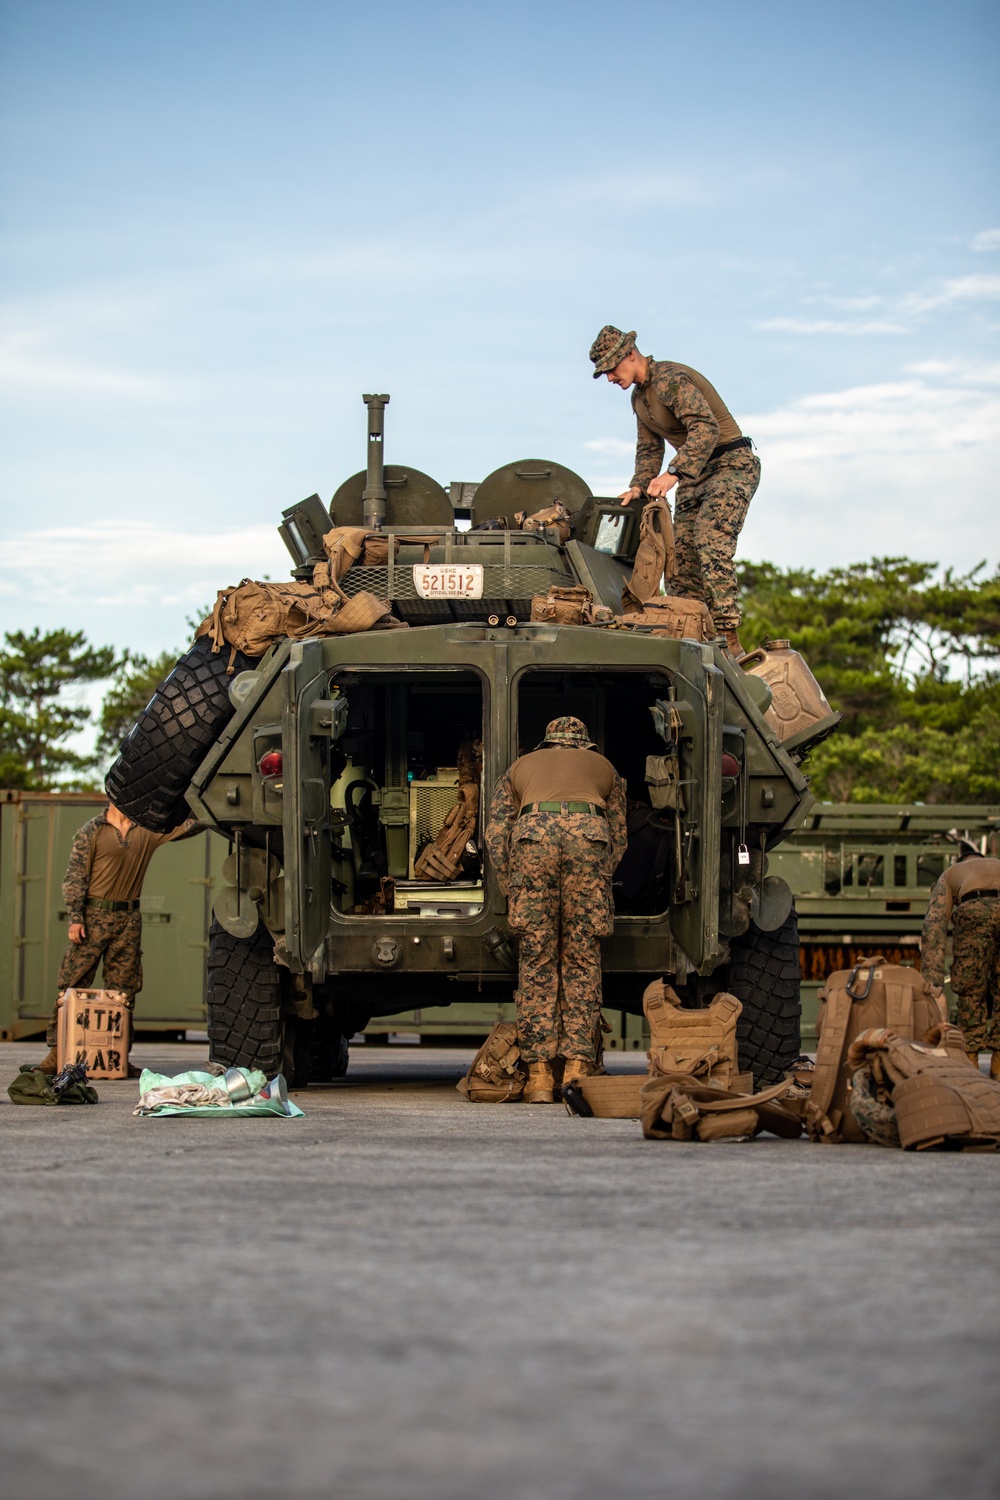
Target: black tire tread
246, 1026
765, 975
172, 736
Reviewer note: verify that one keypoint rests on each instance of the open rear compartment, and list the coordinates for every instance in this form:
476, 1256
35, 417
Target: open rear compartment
411, 751
616, 708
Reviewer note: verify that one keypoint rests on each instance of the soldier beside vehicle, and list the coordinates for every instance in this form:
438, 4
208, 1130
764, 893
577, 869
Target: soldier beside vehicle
103, 884
555, 836
967, 897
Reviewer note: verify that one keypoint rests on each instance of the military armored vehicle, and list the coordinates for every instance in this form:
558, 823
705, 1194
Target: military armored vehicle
330, 762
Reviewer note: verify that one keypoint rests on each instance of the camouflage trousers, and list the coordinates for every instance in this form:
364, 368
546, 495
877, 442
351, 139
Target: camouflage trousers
975, 972
560, 905
708, 518
115, 937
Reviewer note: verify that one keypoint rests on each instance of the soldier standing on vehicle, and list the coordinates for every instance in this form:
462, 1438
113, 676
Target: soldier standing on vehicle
968, 896
107, 865
714, 469
556, 834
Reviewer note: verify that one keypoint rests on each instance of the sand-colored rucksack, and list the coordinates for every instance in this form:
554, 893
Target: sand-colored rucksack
874, 994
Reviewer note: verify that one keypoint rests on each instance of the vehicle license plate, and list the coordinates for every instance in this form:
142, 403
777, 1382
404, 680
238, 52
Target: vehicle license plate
448, 580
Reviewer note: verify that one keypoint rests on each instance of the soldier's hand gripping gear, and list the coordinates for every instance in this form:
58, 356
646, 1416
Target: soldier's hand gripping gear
968, 896
556, 834
107, 865
714, 469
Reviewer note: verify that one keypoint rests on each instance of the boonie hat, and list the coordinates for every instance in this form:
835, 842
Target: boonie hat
568, 731
610, 348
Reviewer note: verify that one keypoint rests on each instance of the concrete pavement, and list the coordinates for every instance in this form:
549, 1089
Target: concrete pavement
407, 1297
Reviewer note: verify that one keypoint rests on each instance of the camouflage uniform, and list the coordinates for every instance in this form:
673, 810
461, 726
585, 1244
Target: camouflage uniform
975, 968
114, 936
712, 496
556, 870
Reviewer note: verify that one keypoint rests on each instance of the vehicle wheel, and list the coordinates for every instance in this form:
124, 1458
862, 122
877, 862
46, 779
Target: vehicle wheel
248, 1026
764, 974
172, 736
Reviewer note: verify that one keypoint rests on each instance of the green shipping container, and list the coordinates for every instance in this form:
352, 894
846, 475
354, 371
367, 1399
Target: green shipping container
36, 832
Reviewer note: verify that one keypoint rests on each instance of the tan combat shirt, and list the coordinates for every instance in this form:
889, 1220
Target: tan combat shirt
104, 866
677, 404
556, 775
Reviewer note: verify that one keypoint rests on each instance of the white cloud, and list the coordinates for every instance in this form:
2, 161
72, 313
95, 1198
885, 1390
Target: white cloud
986, 239
24, 361
135, 565
982, 288
609, 445
828, 325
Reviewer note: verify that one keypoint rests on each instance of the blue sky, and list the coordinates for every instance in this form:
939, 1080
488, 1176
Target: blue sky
222, 222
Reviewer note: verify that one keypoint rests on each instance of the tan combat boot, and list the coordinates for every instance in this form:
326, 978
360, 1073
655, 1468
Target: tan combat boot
974, 1059
577, 1068
541, 1086
49, 1063
733, 644
995, 1066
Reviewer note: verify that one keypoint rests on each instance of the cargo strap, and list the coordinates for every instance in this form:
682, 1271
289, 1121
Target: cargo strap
562, 807
103, 905
828, 1059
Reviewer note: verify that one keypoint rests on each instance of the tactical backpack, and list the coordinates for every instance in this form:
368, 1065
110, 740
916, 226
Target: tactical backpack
922, 1095
874, 994
497, 1074
655, 562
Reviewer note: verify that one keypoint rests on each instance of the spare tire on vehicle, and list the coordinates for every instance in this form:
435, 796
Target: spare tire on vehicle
172, 736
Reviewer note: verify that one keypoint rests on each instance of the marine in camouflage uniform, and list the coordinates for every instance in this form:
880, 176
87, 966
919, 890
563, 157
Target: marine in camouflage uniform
714, 469
107, 865
967, 896
555, 862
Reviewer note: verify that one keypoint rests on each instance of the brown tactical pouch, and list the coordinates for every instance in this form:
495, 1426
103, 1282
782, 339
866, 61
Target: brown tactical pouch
564, 606
675, 618
692, 1043
938, 1098
497, 1074
872, 994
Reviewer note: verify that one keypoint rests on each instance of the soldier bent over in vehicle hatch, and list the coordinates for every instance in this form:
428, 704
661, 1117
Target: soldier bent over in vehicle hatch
556, 834
107, 865
968, 896
714, 469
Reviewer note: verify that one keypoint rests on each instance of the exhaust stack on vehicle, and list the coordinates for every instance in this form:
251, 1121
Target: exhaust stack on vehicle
373, 496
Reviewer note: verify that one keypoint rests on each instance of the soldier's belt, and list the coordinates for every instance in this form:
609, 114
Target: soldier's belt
562, 807
102, 905
976, 896
742, 442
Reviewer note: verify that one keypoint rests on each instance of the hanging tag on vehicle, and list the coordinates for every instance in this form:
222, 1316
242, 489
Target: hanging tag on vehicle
743, 855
